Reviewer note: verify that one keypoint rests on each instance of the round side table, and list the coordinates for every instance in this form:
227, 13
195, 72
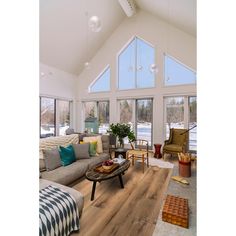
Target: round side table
157, 153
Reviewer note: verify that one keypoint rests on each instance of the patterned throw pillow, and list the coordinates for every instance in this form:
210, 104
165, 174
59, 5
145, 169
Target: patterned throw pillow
98, 138
67, 155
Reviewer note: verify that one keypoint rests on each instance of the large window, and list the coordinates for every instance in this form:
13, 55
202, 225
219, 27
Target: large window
102, 83
54, 116
137, 113
180, 113
99, 110
47, 117
192, 124
64, 116
135, 65
177, 73
174, 113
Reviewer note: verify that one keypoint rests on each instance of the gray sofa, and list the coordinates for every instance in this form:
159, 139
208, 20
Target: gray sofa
66, 175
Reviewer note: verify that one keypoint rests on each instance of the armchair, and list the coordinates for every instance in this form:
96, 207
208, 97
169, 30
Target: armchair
177, 142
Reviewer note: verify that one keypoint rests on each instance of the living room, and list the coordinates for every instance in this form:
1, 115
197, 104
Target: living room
102, 65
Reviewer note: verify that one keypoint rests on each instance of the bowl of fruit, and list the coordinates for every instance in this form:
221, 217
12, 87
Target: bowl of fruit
107, 165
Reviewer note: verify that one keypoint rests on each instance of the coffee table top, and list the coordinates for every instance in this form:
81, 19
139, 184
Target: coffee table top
97, 176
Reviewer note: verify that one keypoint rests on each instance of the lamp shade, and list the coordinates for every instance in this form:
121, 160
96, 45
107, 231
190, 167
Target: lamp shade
95, 24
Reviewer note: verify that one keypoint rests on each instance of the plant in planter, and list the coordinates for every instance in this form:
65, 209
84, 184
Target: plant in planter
121, 131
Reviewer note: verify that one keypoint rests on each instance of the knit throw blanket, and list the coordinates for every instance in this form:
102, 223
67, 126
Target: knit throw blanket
53, 142
58, 212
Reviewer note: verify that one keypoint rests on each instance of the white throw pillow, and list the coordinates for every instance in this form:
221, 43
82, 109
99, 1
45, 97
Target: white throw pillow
99, 142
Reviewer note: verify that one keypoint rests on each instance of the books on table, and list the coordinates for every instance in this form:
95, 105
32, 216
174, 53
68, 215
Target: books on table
119, 160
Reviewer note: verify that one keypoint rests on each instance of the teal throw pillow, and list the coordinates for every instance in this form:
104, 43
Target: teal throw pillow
67, 155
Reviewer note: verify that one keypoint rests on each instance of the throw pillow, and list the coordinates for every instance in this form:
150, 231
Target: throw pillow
93, 139
52, 159
67, 155
93, 148
81, 150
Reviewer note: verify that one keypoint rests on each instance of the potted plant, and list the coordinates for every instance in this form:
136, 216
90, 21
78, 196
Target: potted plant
121, 131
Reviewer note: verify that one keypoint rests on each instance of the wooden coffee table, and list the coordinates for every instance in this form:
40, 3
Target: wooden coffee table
95, 176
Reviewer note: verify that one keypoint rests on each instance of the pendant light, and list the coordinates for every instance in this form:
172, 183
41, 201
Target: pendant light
95, 24
87, 63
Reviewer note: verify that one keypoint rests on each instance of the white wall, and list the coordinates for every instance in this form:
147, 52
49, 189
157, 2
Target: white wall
166, 39
58, 84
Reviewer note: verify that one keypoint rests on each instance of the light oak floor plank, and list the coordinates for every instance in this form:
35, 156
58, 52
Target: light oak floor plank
132, 211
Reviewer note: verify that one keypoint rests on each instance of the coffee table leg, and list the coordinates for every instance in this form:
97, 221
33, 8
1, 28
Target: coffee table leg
93, 190
121, 181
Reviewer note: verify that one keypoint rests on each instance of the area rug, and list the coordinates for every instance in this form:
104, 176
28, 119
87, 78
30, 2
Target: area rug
160, 163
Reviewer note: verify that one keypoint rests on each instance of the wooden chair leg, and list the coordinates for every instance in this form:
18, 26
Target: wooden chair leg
132, 159
147, 162
143, 162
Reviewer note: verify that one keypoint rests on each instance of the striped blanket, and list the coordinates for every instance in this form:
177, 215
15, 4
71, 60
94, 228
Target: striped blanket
58, 212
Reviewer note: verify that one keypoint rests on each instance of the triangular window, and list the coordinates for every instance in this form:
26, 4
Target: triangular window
177, 73
102, 83
135, 65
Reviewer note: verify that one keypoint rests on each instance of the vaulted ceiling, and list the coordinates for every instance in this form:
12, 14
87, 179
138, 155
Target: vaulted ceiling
65, 41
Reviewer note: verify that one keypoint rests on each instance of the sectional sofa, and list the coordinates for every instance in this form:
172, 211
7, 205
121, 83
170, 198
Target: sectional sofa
62, 176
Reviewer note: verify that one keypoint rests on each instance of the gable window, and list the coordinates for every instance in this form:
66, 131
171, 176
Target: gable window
102, 83
135, 66
177, 73
54, 116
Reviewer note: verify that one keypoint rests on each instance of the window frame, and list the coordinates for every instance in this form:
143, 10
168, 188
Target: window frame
97, 78
117, 64
181, 63
56, 113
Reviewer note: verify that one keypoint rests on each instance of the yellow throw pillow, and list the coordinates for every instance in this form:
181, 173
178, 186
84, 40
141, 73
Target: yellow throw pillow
97, 139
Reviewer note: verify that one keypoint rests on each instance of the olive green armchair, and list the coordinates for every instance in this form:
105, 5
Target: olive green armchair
177, 142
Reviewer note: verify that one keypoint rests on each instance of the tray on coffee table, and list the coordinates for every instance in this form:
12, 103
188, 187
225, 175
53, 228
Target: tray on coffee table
100, 169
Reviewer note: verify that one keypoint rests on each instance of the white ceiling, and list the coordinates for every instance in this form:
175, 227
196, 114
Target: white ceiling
63, 27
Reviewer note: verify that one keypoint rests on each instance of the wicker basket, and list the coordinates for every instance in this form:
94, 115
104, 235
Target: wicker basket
175, 211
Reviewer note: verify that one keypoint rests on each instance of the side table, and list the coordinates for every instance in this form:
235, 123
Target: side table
120, 151
157, 153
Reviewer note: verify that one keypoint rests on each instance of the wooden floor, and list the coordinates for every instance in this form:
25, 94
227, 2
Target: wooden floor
132, 211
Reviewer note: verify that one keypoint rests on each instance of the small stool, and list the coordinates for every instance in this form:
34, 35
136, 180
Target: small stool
157, 153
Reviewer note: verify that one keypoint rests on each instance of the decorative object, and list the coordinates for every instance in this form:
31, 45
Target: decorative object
157, 153
107, 165
180, 180
121, 131
153, 68
175, 211
95, 24
184, 164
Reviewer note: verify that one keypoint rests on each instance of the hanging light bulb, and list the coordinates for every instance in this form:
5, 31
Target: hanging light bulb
153, 68
95, 24
87, 65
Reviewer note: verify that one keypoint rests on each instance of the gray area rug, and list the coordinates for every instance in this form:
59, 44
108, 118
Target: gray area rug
186, 191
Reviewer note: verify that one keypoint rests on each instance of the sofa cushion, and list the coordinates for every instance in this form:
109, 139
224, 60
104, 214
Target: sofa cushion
52, 159
81, 150
67, 155
67, 174
42, 166
98, 139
